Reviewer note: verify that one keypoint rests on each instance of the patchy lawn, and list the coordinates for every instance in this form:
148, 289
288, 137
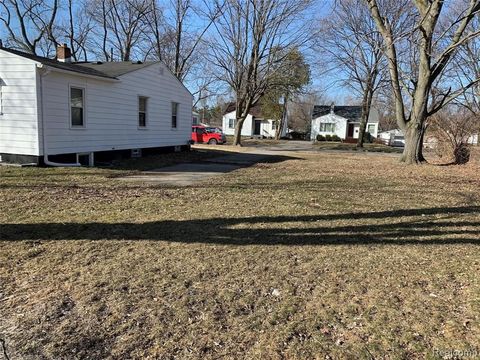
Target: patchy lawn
322, 256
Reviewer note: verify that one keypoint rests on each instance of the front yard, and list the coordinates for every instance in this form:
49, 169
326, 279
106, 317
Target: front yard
321, 256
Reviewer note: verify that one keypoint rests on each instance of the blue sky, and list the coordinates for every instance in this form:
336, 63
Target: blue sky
326, 84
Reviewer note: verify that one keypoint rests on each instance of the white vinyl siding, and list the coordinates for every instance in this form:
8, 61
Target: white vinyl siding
112, 112
19, 126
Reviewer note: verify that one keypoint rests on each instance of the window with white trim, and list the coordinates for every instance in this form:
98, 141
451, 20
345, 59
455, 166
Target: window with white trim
274, 125
77, 107
231, 123
174, 115
142, 111
371, 129
2, 84
327, 127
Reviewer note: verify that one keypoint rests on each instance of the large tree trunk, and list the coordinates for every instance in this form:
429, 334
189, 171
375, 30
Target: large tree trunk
281, 123
413, 151
237, 137
366, 104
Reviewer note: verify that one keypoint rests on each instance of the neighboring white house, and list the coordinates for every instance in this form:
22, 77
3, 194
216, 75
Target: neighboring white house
58, 111
255, 124
343, 121
195, 118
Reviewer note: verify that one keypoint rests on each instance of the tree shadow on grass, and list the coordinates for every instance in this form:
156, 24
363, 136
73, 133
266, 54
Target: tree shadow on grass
423, 227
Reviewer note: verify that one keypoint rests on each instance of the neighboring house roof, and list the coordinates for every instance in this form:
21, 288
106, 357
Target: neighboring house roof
255, 111
108, 70
351, 113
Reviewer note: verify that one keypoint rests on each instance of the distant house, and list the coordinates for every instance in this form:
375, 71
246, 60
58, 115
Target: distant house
388, 136
255, 125
343, 121
195, 118
56, 112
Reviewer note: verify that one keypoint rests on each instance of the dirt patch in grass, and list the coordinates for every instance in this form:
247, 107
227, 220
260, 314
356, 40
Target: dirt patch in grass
323, 256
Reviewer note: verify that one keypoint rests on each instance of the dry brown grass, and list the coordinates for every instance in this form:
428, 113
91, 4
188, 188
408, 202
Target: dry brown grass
321, 256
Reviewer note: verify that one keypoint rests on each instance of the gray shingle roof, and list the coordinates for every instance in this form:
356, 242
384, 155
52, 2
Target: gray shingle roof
59, 65
347, 112
114, 69
108, 70
351, 113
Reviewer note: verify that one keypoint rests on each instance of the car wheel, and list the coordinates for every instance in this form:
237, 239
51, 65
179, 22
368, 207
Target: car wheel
212, 142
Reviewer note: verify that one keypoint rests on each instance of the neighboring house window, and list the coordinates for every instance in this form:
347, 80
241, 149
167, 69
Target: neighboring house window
77, 107
231, 123
142, 111
174, 114
371, 129
274, 125
195, 120
327, 127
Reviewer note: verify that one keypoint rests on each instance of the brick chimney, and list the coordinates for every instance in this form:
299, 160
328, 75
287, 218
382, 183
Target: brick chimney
64, 54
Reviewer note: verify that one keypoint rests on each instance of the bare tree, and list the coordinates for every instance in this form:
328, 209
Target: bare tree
433, 45
467, 70
453, 128
29, 23
300, 111
247, 45
175, 35
76, 29
121, 26
354, 50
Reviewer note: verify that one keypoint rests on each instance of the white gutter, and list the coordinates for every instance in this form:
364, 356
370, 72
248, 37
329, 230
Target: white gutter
43, 72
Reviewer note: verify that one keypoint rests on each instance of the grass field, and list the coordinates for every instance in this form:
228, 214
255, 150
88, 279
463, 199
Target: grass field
319, 256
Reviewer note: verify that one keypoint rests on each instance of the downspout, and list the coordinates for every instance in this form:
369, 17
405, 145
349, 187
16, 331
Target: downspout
43, 72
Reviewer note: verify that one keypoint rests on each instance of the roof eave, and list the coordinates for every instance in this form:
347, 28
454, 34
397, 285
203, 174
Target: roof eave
75, 73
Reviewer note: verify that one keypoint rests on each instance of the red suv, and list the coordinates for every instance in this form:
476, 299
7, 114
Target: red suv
210, 135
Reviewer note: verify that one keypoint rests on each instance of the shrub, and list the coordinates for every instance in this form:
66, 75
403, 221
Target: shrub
368, 138
328, 137
336, 138
320, 138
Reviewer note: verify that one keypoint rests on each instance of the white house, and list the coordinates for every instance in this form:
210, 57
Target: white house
55, 111
255, 124
343, 121
195, 118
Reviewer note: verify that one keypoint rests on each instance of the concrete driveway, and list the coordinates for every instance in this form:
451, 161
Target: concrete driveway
187, 174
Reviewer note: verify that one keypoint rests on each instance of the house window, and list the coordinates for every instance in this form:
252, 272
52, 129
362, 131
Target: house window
231, 123
142, 111
274, 125
371, 129
327, 127
77, 107
174, 114
1, 96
